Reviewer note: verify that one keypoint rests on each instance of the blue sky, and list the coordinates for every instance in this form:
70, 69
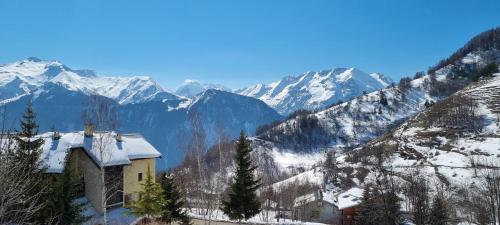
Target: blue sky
239, 43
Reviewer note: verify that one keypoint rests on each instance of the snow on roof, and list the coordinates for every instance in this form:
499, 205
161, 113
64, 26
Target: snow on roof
350, 198
131, 146
312, 197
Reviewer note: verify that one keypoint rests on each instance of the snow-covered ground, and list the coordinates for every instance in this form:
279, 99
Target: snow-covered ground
260, 218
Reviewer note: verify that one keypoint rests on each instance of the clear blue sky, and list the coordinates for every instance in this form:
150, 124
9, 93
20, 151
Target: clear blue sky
238, 43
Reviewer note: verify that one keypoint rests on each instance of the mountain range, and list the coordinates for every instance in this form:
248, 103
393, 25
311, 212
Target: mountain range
59, 95
316, 90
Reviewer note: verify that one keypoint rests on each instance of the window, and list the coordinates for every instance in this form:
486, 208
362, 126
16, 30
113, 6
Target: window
139, 176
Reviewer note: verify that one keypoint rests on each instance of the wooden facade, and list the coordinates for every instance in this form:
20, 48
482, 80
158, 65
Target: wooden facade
349, 216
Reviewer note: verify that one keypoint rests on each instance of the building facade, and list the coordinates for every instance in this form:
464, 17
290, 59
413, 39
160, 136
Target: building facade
125, 160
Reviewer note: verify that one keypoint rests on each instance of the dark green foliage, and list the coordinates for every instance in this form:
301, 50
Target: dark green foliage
439, 211
392, 209
27, 154
367, 212
243, 202
173, 209
379, 206
61, 203
487, 71
28, 147
484, 41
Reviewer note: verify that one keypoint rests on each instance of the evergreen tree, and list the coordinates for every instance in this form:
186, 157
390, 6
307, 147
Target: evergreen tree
243, 202
173, 209
391, 208
487, 71
439, 211
28, 146
62, 199
366, 213
27, 154
151, 201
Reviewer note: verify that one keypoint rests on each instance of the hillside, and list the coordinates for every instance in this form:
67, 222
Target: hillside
452, 139
353, 123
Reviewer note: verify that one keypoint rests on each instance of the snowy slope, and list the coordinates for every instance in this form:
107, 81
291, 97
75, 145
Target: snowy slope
451, 152
351, 123
23, 77
313, 90
191, 88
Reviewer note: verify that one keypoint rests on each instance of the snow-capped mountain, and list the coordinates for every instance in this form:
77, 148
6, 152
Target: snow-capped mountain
165, 124
351, 123
316, 90
59, 95
191, 88
23, 77
356, 122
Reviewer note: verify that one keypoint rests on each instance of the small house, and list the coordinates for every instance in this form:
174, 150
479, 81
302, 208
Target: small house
316, 207
328, 207
124, 158
347, 203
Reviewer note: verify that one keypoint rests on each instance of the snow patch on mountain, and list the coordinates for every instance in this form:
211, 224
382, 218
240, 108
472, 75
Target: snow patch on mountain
191, 88
26, 76
315, 90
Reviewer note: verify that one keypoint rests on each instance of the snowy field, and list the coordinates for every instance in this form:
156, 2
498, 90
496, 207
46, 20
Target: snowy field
217, 215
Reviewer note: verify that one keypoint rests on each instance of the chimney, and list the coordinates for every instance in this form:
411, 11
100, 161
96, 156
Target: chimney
89, 130
118, 137
56, 135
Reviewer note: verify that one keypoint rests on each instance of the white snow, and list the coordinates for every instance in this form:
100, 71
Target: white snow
350, 198
313, 90
33, 74
132, 146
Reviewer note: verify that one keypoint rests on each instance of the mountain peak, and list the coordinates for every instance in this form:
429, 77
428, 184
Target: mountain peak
314, 90
191, 88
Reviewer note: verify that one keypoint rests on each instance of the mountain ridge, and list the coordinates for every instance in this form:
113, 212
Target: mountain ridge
315, 90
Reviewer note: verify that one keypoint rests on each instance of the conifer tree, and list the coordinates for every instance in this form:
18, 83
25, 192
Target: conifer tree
62, 199
27, 154
173, 209
151, 200
28, 146
366, 214
243, 202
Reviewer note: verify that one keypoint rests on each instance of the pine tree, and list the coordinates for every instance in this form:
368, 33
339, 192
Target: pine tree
28, 146
151, 201
173, 209
439, 211
365, 213
62, 199
243, 202
28, 152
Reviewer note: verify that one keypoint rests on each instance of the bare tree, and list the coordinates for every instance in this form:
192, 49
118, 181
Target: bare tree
196, 148
101, 121
15, 206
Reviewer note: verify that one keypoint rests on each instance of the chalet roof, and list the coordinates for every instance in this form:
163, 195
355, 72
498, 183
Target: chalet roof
347, 199
350, 198
315, 196
114, 152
